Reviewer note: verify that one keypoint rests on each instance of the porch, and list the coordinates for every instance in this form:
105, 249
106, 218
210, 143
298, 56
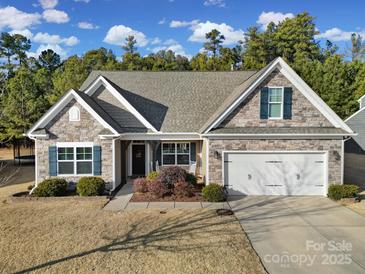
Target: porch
137, 158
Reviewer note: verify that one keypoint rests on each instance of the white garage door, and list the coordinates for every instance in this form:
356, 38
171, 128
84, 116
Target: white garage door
275, 173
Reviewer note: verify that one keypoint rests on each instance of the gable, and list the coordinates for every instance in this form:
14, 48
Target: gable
85, 101
242, 92
247, 113
61, 128
117, 111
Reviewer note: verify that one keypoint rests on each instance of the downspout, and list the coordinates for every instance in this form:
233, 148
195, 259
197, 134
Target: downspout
35, 165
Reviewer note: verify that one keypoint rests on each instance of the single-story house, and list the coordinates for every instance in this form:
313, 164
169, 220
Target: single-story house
257, 132
355, 147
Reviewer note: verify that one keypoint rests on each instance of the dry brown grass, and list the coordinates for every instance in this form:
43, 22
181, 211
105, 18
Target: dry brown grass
78, 237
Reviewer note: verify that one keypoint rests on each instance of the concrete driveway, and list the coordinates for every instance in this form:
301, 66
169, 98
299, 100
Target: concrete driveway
303, 234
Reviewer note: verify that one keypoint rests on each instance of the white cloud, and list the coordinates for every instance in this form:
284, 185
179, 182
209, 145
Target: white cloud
231, 35
155, 41
56, 48
87, 25
162, 21
15, 19
181, 24
266, 18
336, 34
46, 38
218, 3
55, 16
85, 1
116, 35
25, 32
48, 4
171, 44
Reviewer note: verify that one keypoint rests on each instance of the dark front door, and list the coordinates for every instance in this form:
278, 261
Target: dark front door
138, 160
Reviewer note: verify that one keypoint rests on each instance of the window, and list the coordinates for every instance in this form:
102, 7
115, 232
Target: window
175, 153
74, 114
276, 103
74, 160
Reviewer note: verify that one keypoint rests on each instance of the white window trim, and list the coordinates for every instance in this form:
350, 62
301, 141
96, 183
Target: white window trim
72, 112
282, 103
74, 146
175, 153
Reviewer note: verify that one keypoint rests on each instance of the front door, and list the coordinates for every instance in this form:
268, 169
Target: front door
138, 160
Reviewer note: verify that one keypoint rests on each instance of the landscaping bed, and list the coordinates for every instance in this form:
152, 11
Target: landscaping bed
149, 197
174, 184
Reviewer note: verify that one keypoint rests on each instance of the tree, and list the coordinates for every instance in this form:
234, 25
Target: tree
23, 104
357, 47
129, 46
214, 43
13, 48
71, 74
49, 60
199, 62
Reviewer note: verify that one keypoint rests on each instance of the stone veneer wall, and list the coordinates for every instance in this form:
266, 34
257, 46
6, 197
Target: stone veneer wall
304, 114
85, 130
334, 148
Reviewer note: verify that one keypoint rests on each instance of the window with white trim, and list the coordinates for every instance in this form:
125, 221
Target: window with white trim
276, 96
175, 153
74, 114
76, 160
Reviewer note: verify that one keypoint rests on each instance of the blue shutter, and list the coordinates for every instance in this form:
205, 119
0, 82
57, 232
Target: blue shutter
264, 103
52, 160
193, 152
97, 160
288, 94
158, 154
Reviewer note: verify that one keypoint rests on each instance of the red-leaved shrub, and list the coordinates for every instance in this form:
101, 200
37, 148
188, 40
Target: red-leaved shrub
171, 175
140, 185
157, 188
183, 189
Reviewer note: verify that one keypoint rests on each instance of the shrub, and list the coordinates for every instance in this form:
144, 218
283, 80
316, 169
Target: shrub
157, 188
152, 176
214, 193
191, 178
90, 186
183, 189
51, 188
171, 175
337, 192
30, 187
140, 185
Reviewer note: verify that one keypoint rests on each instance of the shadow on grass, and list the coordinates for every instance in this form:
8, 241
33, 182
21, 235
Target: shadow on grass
188, 227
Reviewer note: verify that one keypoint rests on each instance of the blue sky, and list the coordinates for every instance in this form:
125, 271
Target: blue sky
75, 26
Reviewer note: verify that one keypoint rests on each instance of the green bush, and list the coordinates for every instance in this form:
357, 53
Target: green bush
152, 176
90, 186
214, 193
337, 192
191, 178
51, 188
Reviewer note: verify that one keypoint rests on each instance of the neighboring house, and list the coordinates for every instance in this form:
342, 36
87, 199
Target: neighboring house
264, 132
355, 147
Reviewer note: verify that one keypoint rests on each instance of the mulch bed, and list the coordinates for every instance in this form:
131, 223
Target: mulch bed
24, 196
149, 197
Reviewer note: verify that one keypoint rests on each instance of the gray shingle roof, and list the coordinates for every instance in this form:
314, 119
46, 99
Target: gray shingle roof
279, 130
174, 101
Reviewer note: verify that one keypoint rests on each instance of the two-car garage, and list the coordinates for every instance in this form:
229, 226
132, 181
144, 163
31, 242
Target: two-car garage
275, 173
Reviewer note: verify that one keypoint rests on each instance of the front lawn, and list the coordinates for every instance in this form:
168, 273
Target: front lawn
76, 236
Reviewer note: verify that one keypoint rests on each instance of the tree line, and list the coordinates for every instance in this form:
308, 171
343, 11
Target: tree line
29, 85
